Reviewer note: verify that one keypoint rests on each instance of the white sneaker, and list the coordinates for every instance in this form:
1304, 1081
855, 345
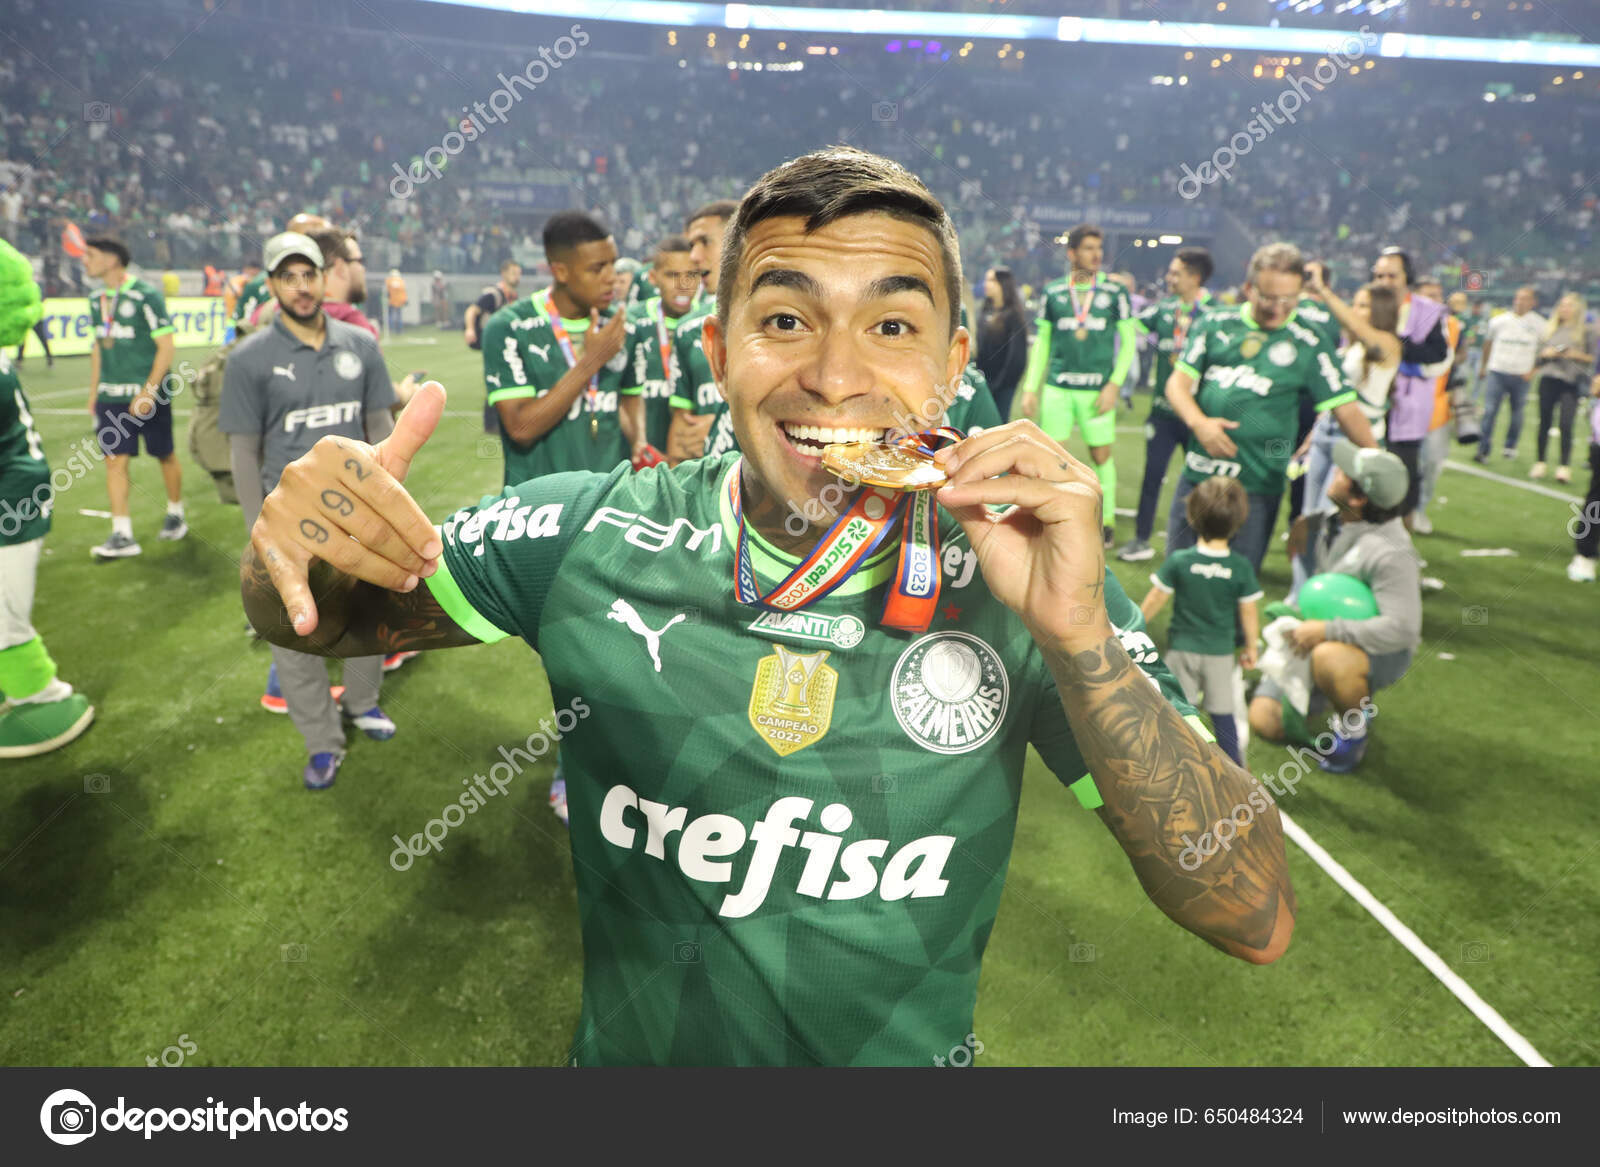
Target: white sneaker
1536, 470
1581, 569
119, 546
1420, 524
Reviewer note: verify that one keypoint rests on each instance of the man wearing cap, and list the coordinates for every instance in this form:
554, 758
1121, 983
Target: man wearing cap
295, 380
130, 359
1352, 659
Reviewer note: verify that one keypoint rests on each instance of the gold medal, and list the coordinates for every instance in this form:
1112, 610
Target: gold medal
1082, 334
880, 464
594, 426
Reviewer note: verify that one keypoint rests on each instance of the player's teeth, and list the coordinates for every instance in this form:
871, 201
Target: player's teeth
826, 435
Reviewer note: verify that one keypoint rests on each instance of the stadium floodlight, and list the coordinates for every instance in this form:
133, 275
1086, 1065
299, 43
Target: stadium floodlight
1067, 29
1172, 240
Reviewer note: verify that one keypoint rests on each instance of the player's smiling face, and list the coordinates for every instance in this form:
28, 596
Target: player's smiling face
837, 335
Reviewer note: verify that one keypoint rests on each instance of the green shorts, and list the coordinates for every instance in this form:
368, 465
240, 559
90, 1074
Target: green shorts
1060, 409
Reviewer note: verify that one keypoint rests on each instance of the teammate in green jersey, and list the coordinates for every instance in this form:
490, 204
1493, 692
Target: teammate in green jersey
1168, 320
790, 830
39, 711
552, 369
128, 399
700, 424
652, 328
1085, 348
1237, 386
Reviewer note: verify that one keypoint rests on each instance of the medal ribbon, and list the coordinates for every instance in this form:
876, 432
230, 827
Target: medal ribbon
664, 341
1082, 314
565, 341
914, 594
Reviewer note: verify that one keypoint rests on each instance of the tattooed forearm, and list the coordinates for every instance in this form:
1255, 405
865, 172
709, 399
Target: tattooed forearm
1164, 788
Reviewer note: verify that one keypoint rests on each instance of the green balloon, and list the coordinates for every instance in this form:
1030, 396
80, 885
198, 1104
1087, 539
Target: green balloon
1331, 596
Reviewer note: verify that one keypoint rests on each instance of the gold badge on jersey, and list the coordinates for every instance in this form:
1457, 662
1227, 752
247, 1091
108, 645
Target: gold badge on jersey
1251, 346
791, 703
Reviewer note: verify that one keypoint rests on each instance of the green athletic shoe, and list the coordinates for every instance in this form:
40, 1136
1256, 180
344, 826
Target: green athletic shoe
27, 730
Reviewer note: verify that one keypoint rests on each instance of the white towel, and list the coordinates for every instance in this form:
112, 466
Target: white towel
1286, 668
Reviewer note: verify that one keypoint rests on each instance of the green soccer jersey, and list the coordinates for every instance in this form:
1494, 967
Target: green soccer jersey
522, 358
1206, 590
252, 295
1169, 319
127, 322
974, 409
649, 342
1256, 378
694, 388
1314, 313
1103, 304
25, 496
789, 831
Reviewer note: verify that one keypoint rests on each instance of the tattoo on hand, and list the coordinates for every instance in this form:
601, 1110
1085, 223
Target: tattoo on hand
313, 530
338, 503
355, 467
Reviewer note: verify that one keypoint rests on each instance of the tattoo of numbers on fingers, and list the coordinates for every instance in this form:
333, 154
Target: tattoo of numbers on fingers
313, 530
338, 503
356, 468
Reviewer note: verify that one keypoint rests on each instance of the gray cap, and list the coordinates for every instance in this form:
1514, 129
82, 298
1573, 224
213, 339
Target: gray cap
281, 247
1381, 475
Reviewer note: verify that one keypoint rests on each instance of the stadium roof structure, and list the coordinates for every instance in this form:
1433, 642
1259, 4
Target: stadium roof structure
1064, 29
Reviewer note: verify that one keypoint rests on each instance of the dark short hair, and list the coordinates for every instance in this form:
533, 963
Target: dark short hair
333, 242
115, 246
1082, 231
831, 184
1405, 262
1217, 508
672, 243
723, 209
565, 231
1197, 260
505, 263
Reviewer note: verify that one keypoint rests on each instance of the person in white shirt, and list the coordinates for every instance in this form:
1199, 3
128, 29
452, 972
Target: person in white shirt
1509, 351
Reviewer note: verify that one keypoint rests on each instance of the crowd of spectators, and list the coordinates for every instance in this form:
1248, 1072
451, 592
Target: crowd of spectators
195, 135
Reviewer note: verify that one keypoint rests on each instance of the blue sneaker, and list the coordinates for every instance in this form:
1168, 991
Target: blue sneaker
374, 723
1346, 754
321, 770
558, 797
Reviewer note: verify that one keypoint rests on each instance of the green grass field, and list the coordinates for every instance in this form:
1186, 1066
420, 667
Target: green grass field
205, 896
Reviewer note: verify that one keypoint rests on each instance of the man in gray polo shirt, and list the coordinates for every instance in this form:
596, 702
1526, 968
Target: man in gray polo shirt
1353, 659
299, 379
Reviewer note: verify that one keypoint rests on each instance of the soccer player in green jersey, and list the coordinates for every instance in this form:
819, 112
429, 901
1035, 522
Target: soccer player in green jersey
1168, 320
552, 369
1237, 386
128, 364
1084, 351
39, 712
700, 424
652, 328
790, 828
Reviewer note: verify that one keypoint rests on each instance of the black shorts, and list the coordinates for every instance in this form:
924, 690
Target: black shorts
119, 431
1411, 454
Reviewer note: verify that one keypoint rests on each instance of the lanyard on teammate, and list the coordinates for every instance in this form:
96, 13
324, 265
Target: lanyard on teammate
110, 301
1182, 314
914, 593
565, 342
1082, 314
664, 340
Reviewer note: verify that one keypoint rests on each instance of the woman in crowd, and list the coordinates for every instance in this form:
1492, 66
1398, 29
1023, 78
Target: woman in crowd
1563, 360
1002, 337
1370, 360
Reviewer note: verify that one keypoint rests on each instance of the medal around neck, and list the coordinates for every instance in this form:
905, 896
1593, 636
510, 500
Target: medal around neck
904, 465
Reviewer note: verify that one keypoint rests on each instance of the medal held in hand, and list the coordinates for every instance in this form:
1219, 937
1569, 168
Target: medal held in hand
894, 466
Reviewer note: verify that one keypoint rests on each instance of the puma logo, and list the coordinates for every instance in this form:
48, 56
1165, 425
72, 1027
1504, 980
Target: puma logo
623, 613
283, 371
